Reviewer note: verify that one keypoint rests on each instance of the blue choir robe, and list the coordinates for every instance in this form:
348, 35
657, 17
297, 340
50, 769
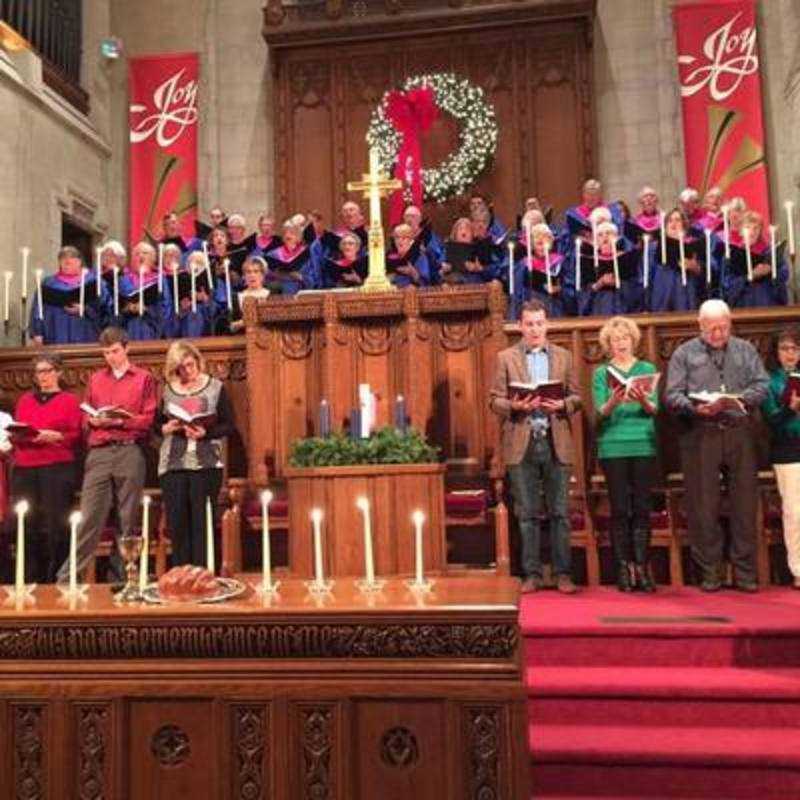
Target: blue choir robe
577, 221
530, 282
264, 244
586, 301
433, 248
327, 245
416, 258
739, 292
156, 321
285, 267
665, 290
57, 326
186, 323
496, 230
224, 323
334, 269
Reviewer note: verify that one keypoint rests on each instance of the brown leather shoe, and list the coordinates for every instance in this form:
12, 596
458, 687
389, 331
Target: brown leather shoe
566, 585
531, 584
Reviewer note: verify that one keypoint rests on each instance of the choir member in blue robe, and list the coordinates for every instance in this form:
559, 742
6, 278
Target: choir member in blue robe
596, 290
112, 254
689, 204
647, 220
314, 226
430, 244
711, 214
480, 204
531, 273
171, 227
240, 244
217, 218
61, 320
254, 271
145, 308
756, 286
290, 266
406, 264
266, 239
578, 217
351, 220
189, 321
467, 260
666, 289
351, 267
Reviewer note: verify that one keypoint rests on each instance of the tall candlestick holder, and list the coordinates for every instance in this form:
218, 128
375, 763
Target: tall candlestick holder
130, 548
19, 596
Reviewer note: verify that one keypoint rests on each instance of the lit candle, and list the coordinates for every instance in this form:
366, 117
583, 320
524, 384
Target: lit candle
160, 267
419, 518
548, 277
708, 256
528, 243
374, 174
682, 257
21, 509
39, 273
227, 267
210, 561
789, 206
266, 557
400, 413
141, 290
646, 260
144, 558
116, 290
316, 518
82, 292
511, 269
26, 251
7, 296
193, 275
773, 243
75, 519
176, 300
578, 246
664, 237
594, 246
98, 264
726, 231
369, 564
324, 421
617, 283
748, 254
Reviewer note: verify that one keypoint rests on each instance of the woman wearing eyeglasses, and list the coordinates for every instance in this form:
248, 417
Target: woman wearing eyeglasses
45, 467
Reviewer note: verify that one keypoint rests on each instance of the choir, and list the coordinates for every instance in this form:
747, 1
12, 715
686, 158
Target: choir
602, 259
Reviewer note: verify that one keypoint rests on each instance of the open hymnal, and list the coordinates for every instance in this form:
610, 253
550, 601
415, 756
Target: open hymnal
106, 411
546, 390
20, 429
180, 413
723, 401
647, 383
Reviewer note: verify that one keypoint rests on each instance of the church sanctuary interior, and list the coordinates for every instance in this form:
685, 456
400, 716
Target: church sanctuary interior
399, 398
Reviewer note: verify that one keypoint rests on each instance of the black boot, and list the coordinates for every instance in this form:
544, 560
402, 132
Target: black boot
641, 548
621, 545
626, 581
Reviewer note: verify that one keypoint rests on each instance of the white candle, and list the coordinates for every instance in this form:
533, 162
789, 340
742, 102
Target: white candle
75, 519
144, 559
708, 256
193, 276
316, 518
369, 564
98, 263
21, 509
578, 245
26, 251
374, 174
617, 282
176, 301
7, 296
141, 290
528, 243
664, 237
227, 267
748, 254
646, 260
548, 277
419, 518
789, 206
511, 269
116, 290
210, 560
82, 292
726, 231
208, 268
682, 257
266, 557
594, 246
39, 273
161, 268
773, 244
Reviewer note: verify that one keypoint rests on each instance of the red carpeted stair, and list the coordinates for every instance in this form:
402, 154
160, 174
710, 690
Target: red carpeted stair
681, 695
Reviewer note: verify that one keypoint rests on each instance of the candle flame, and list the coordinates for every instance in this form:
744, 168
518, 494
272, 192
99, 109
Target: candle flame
266, 497
22, 507
418, 516
75, 518
316, 515
146, 499
363, 503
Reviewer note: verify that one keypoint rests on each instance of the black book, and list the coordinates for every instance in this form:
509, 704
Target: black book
237, 253
737, 263
203, 229
185, 284
692, 248
150, 295
281, 267
60, 298
628, 261
456, 254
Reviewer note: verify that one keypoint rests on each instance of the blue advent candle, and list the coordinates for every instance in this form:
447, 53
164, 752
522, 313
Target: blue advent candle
355, 423
400, 413
324, 422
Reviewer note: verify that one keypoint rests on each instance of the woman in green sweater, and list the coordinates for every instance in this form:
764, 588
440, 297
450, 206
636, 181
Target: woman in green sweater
626, 402
782, 411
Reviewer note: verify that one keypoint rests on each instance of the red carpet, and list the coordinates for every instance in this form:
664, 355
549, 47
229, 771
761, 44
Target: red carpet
680, 695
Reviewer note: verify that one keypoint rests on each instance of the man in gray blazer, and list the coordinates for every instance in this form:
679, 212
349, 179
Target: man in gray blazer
537, 443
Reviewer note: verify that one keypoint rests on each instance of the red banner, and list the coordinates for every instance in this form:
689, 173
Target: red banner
163, 136
720, 81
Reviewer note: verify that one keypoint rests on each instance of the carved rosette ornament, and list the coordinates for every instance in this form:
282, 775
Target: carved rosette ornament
317, 750
250, 725
484, 748
399, 748
29, 774
170, 745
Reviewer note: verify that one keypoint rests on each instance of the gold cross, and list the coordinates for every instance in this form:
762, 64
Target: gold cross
374, 185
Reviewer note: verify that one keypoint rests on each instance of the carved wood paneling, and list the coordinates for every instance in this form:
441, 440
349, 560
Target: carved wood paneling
250, 743
317, 738
30, 751
485, 751
92, 723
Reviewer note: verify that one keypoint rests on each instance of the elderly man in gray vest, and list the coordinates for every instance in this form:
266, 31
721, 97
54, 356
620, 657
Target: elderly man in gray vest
715, 384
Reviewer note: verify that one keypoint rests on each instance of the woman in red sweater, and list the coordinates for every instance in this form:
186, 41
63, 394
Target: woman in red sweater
45, 467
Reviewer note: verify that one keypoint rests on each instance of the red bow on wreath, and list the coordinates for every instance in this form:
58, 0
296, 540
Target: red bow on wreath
411, 113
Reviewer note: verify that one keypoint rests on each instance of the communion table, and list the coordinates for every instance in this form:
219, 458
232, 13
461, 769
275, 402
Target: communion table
395, 696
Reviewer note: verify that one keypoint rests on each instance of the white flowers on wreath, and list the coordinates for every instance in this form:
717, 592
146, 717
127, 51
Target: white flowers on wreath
477, 134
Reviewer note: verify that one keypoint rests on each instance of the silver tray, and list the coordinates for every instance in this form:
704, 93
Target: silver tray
228, 589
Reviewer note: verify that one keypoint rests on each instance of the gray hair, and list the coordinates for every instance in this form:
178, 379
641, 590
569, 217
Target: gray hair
713, 309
